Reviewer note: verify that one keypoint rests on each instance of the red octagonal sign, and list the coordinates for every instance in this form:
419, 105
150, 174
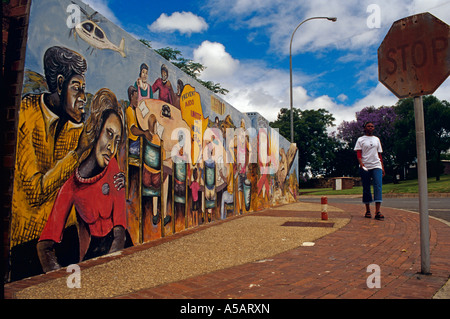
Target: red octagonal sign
414, 57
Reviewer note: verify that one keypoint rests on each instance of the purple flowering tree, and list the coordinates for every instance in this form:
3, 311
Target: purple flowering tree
384, 119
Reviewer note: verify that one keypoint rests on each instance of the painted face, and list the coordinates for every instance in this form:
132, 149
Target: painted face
109, 139
144, 75
75, 98
134, 99
164, 75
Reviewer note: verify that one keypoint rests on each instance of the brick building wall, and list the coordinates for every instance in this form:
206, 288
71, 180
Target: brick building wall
15, 16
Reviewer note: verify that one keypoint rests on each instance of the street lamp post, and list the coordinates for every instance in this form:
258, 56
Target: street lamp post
334, 19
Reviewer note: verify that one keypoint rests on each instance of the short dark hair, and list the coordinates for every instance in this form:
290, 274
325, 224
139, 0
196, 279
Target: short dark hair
367, 122
164, 68
142, 67
131, 90
62, 61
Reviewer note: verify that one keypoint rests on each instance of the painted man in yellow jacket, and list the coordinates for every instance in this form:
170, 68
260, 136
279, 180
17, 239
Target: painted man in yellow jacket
50, 142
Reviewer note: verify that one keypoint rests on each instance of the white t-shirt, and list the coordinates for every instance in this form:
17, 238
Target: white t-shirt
370, 146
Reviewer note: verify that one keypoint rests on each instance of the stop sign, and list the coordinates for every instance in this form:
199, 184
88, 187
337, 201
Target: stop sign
414, 57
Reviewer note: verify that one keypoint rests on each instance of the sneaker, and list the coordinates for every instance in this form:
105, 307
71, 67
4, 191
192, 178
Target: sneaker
379, 216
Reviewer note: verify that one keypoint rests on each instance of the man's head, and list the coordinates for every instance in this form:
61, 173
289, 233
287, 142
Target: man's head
368, 127
164, 73
64, 71
133, 96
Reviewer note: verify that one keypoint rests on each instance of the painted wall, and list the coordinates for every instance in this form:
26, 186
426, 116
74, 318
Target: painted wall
116, 146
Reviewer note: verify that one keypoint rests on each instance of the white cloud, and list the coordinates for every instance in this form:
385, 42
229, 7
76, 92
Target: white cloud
277, 19
342, 97
257, 87
183, 22
218, 62
379, 96
102, 7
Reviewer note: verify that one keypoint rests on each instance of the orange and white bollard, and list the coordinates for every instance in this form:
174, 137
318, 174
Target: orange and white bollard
324, 202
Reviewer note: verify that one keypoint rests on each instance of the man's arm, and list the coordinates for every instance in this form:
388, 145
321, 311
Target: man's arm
39, 185
382, 165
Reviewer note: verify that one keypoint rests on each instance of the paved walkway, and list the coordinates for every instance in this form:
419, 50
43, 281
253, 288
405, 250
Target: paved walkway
335, 267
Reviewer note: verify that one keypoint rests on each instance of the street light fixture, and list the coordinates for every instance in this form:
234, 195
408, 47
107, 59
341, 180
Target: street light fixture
333, 19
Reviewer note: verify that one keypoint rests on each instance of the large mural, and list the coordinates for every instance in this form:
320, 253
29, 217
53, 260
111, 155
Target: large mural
117, 147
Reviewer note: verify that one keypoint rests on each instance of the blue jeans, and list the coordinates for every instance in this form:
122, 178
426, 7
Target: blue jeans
374, 176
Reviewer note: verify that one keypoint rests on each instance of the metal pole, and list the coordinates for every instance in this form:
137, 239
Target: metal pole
292, 114
334, 19
423, 187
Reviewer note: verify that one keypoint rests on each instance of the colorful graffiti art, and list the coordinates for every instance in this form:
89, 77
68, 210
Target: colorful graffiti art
110, 155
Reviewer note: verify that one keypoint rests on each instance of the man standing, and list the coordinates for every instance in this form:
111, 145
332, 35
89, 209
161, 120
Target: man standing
50, 142
164, 86
368, 151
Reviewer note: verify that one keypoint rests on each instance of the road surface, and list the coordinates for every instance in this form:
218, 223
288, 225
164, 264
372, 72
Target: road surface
438, 207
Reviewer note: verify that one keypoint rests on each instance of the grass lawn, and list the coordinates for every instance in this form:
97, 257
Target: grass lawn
403, 187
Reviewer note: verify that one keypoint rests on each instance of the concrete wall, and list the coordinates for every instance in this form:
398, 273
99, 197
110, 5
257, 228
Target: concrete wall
85, 186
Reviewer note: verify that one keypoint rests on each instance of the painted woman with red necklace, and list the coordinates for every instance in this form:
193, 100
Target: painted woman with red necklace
92, 190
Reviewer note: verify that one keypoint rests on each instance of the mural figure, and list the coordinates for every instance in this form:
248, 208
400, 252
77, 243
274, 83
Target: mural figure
167, 118
50, 142
217, 141
195, 187
99, 205
163, 86
134, 130
177, 96
227, 195
151, 171
71, 202
242, 157
264, 164
180, 177
144, 89
210, 180
285, 163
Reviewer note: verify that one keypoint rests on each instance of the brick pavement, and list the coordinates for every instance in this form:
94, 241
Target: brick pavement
335, 267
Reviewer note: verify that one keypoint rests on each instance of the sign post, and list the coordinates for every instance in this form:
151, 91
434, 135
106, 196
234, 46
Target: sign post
423, 187
414, 60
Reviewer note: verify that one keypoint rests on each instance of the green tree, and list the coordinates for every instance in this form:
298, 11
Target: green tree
437, 132
191, 68
316, 148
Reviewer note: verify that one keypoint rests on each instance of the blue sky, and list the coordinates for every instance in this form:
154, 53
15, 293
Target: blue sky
245, 46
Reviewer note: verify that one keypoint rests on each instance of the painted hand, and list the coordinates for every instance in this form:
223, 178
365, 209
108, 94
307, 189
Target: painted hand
119, 181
